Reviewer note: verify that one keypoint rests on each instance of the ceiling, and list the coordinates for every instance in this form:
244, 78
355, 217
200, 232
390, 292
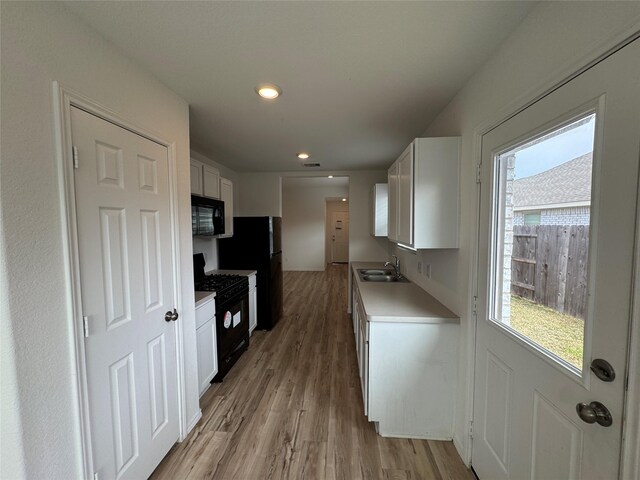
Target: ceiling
315, 182
360, 80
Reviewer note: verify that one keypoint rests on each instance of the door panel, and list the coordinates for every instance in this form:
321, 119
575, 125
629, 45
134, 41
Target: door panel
340, 244
126, 265
157, 356
525, 420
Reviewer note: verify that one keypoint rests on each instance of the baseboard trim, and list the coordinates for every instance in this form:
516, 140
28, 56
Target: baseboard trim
193, 422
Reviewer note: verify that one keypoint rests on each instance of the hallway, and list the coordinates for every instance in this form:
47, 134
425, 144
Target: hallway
292, 406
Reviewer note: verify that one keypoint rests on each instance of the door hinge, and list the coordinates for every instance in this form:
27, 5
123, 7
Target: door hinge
75, 157
470, 428
475, 305
479, 173
85, 325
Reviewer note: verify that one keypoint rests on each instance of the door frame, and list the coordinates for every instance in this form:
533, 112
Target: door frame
562, 76
63, 99
630, 459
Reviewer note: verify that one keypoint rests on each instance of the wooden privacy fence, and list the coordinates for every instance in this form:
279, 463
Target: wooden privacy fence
549, 266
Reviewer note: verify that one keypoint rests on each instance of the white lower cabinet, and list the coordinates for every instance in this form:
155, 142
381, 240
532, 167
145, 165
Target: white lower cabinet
407, 374
206, 344
411, 380
253, 303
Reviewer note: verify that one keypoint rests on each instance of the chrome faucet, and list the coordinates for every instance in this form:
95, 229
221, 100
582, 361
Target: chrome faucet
395, 266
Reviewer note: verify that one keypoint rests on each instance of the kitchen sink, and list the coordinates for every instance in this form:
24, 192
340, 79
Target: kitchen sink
383, 278
374, 271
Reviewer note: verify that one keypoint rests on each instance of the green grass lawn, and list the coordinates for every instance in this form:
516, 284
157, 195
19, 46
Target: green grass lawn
560, 333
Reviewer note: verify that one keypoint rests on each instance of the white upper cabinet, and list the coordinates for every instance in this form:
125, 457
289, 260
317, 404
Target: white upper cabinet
196, 177
405, 197
424, 194
210, 182
379, 209
226, 195
205, 180
392, 213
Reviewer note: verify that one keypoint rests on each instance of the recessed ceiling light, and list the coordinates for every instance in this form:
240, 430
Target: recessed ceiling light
344, 199
268, 91
330, 176
303, 155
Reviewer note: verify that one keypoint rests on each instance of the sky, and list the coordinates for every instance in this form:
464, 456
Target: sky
556, 150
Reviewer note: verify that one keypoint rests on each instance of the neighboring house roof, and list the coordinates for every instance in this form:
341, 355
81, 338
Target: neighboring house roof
568, 183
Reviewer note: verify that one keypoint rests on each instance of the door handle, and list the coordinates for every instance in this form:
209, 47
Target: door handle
171, 316
594, 412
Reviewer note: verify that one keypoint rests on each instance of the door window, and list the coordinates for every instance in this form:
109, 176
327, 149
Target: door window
540, 249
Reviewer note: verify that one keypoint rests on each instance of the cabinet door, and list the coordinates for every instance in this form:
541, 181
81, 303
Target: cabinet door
392, 213
253, 312
207, 354
379, 207
226, 195
436, 192
364, 358
196, 177
405, 197
211, 182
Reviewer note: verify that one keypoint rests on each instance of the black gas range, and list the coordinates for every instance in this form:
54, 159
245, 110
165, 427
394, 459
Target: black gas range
232, 313
225, 285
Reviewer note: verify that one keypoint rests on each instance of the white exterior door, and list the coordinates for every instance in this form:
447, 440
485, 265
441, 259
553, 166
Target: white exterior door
126, 269
533, 351
340, 237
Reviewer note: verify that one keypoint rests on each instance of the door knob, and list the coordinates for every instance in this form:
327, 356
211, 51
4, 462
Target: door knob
594, 412
171, 316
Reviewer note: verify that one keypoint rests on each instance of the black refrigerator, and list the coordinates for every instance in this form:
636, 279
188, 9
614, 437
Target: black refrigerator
256, 245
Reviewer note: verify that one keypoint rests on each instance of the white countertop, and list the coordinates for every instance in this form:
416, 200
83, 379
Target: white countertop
399, 301
202, 297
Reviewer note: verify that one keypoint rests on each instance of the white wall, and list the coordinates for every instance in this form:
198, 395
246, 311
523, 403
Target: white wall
209, 246
260, 194
42, 42
554, 37
303, 226
362, 246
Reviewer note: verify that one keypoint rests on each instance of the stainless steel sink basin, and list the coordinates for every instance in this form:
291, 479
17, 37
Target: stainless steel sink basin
375, 271
383, 278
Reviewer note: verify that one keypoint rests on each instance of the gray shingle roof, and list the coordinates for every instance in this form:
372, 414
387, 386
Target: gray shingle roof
566, 183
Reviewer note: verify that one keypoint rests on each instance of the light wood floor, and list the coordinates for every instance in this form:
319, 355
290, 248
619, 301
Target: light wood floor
291, 408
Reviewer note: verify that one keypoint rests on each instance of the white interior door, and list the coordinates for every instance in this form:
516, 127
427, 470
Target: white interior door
340, 237
541, 323
126, 269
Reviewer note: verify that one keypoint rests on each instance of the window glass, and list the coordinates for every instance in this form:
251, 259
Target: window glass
541, 239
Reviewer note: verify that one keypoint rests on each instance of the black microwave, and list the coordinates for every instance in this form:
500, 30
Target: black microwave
207, 216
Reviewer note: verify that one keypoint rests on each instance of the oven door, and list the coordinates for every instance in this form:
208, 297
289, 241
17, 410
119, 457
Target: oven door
232, 327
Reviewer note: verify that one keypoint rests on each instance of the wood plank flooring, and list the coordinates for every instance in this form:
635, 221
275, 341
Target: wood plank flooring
291, 408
